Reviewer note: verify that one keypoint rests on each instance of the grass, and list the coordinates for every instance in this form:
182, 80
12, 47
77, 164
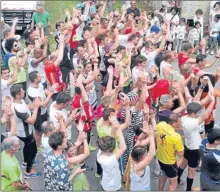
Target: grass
56, 11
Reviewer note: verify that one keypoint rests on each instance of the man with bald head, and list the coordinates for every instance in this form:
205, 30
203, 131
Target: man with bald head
35, 62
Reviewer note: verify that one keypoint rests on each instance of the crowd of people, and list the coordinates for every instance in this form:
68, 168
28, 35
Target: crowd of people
150, 110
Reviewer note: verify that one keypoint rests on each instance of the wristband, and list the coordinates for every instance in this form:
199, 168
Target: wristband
216, 57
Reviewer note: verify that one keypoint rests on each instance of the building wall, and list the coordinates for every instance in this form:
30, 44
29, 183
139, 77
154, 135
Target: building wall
188, 9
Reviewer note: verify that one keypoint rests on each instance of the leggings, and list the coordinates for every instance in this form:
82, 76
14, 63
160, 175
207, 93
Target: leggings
29, 151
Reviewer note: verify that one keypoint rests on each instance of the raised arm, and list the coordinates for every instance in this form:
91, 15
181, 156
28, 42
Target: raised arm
13, 27
122, 147
60, 50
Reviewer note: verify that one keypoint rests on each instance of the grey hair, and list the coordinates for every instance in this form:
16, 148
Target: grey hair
46, 127
9, 142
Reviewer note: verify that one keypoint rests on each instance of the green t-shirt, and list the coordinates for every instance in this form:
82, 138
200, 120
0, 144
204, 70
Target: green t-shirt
103, 130
43, 18
22, 74
11, 170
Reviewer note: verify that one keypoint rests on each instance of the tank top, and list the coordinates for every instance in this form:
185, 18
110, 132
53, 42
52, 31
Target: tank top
140, 183
182, 58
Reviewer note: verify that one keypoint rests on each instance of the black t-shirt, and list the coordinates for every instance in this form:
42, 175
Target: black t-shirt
135, 11
105, 60
66, 62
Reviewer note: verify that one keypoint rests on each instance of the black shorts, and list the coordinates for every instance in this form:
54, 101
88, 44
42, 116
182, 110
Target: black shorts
171, 171
40, 119
209, 126
193, 157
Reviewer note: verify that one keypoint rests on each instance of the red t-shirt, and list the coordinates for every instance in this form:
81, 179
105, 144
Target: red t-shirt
86, 115
54, 75
128, 30
73, 42
182, 58
195, 71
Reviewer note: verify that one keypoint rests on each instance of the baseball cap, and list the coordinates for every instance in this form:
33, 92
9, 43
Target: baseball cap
154, 29
164, 98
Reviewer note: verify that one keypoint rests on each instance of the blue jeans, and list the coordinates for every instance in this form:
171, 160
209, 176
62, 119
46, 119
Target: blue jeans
212, 42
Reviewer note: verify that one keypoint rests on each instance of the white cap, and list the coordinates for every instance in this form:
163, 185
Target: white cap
120, 26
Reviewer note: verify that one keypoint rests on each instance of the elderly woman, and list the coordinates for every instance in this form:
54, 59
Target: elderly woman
10, 169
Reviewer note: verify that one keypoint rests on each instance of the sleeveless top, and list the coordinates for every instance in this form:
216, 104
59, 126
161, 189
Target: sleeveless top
140, 183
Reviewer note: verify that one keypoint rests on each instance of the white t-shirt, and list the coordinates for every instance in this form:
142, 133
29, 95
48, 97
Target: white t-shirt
39, 68
22, 113
111, 177
150, 58
102, 53
53, 114
214, 27
123, 40
191, 130
201, 22
135, 72
180, 31
45, 144
5, 88
162, 65
37, 92
169, 17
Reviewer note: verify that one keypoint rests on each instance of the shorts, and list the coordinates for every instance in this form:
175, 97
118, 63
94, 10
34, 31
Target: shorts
40, 119
193, 157
171, 171
209, 126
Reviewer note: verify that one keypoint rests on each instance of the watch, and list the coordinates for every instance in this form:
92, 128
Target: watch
217, 57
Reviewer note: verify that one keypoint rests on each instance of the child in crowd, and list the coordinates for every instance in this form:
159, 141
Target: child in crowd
199, 17
180, 34
195, 34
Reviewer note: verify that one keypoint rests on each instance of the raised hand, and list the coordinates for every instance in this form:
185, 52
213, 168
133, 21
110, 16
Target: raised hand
37, 102
80, 126
110, 70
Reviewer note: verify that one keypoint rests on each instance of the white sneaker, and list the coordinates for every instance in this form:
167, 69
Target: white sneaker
212, 53
207, 52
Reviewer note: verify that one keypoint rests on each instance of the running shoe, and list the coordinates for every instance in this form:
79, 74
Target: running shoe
32, 175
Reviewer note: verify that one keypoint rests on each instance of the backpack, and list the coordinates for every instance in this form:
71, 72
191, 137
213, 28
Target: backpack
7, 57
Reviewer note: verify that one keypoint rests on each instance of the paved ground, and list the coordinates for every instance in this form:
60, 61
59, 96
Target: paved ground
38, 184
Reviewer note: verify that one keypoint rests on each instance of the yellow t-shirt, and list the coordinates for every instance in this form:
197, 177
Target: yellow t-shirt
22, 73
168, 143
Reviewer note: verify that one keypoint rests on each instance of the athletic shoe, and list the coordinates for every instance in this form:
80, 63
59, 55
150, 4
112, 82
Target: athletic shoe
24, 165
181, 182
32, 175
207, 52
212, 53
198, 169
92, 148
97, 175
